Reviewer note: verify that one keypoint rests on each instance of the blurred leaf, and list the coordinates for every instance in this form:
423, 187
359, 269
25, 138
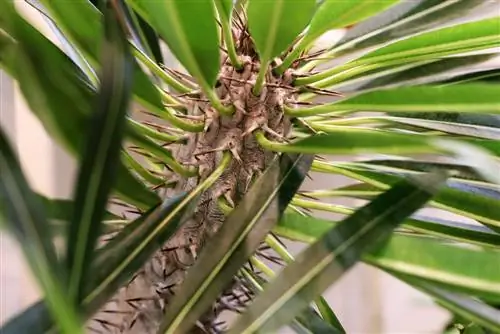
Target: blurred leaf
471, 98
332, 255
328, 314
354, 141
31, 60
275, 24
478, 158
471, 270
86, 30
334, 14
474, 206
97, 170
26, 220
466, 307
409, 18
302, 228
445, 42
447, 69
189, 29
458, 268
469, 130
236, 241
456, 39
117, 261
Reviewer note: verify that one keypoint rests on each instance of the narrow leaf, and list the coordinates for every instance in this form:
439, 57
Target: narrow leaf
466, 98
461, 305
236, 241
102, 153
189, 29
30, 58
419, 257
334, 14
354, 141
117, 262
26, 220
331, 256
275, 24
409, 18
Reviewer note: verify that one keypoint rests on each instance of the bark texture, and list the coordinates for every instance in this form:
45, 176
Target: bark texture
138, 307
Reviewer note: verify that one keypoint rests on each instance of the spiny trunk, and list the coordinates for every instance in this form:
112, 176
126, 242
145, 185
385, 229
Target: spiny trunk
139, 306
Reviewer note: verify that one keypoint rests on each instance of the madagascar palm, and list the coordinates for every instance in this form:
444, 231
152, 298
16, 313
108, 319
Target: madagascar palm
210, 183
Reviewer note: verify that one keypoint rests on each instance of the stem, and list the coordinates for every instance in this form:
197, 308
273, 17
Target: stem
217, 104
322, 206
313, 111
259, 82
181, 124
153, 133
162, 154
292, 56
228, 36
139, 169
153, 67
262, 267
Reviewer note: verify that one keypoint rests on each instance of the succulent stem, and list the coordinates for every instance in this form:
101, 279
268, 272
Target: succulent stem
228, 36
153, 67
146, 130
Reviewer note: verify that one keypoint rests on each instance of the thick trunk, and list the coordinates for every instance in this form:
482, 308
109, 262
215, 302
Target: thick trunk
139, 306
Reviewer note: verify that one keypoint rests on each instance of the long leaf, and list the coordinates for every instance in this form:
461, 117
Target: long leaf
236, 241
461, 305
303, 228
332, 255
102, 154
26, 220
448, 69
406, 19
189, 29
456, 40
471, 98
419, 257
30, 58
274, 25
353, 141
116, 262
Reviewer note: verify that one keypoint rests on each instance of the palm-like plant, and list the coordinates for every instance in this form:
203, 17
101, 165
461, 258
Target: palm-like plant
210, 185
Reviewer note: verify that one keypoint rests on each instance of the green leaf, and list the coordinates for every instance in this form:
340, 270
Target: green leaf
302, 228
423, 258
332, 255
26, 220
236, 241
102, 154
32, 59
466, 307
469, 130
117, 261
127, 252
328, 314
471, 205
463, 269
404, 20
275, 24
353, 141
446, 41
466, 98
447, 69
189, 29
449, 41
333, 14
